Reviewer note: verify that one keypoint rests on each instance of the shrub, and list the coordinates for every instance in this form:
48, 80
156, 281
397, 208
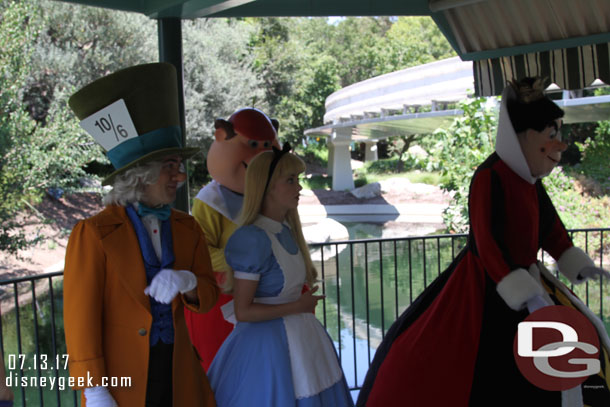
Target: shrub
595, 152
459, 150
314, 152
34, 155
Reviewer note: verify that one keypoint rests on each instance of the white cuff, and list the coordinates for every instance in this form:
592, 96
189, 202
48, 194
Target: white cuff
242, 275
572, 261
517, 287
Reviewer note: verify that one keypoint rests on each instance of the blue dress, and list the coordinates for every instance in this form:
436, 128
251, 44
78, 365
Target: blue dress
288, 361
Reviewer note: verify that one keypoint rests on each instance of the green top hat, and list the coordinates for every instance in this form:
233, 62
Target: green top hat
133, 115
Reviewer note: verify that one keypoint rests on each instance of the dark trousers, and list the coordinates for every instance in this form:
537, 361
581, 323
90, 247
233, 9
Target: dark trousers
159, 384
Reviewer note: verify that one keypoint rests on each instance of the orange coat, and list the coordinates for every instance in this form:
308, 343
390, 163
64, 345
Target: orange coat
107, 316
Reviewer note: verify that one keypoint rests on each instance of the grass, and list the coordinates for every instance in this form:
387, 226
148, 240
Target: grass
317, 182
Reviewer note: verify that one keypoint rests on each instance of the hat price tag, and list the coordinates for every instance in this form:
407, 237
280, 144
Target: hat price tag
110, 126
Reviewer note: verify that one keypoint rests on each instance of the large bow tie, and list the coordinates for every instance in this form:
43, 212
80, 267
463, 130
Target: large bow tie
162, 212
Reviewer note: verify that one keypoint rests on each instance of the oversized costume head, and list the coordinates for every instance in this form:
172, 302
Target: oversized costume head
528, 137
133, 114
236, 141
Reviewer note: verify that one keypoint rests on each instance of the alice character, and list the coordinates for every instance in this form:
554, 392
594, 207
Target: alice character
278, 354
133, 268
454, 344
216, 207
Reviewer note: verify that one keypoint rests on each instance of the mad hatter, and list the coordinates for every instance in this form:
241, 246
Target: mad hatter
132, 269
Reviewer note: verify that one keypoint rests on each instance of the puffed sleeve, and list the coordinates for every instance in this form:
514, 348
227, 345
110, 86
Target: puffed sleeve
247, 251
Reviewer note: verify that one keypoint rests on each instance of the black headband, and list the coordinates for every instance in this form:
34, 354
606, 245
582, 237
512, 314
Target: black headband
277, 155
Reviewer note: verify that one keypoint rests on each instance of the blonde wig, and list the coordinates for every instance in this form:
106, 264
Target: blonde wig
254, 195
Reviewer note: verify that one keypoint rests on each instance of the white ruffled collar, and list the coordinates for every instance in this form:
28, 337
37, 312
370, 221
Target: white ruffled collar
507, 144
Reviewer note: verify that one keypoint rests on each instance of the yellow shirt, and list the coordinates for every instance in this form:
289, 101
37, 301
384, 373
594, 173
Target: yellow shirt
217, 229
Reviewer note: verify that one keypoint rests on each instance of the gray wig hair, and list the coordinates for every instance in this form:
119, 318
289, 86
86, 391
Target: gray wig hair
129, 186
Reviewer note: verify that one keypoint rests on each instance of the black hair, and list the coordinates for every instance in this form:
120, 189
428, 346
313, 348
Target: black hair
531, 109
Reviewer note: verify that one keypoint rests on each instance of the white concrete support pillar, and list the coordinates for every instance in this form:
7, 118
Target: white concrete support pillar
370, 151
341, 159
331, 154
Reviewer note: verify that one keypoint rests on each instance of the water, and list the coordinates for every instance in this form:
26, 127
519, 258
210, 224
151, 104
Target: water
34, 348
367, 286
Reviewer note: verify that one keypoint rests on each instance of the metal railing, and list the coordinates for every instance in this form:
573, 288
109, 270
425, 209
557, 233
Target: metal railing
33, 343
367, 284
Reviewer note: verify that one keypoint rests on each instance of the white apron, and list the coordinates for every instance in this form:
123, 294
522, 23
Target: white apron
313, 360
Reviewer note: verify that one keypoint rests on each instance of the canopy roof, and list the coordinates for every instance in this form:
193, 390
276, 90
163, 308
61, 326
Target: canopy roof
495, 33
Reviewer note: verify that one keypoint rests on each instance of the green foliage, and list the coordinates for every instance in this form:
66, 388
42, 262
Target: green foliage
297, 78
361, 180
468, 142
399, 164
414, 41
398, 146
430, 178
34, 154
384, 166
304, 108
218, 79
358, 45
314, 153
575, 208
94, 43
19, 27
301, 61
595, 152
316, 182
460, 149
218, 74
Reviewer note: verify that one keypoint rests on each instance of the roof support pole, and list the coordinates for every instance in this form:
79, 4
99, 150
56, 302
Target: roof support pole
170, 50
341, 159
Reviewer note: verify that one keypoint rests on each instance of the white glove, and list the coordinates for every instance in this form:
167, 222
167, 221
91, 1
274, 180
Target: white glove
593, 273
168, 283
99, 397
535, 303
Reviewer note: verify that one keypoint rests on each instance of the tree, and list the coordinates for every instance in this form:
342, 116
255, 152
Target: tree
219, 78
41, 144
414, 41
359, 46
305, 107
459, 150
297, 75
218, 74
97, 42
19, 26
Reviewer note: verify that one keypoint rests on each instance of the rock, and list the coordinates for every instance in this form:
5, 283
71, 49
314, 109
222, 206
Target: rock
367, 191
90, 183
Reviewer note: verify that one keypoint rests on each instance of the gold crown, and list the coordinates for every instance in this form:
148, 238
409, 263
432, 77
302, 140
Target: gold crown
529, 91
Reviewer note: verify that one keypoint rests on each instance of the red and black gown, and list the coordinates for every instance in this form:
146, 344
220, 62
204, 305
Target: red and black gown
454, 345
